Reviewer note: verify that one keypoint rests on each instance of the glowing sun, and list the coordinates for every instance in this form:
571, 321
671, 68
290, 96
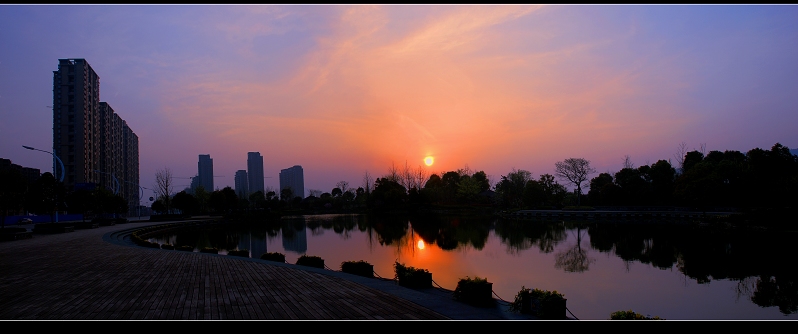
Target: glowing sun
428, 161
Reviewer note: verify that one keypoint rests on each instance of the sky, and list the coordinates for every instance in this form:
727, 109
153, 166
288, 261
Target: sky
347, 89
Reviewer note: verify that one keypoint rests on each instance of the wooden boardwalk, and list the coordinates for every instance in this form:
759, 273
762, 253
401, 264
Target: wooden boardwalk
85, 274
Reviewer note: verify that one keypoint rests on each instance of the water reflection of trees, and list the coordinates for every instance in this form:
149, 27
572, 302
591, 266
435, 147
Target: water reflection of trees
574, 259
453, 232
644, 243
759, 261
521, 235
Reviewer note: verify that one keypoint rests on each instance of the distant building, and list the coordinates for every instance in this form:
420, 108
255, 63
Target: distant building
255, 172
205, 172
94, 143
294, 179
194, 184
242, 184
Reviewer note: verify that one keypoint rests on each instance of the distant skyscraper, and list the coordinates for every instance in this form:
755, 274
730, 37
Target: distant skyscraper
205, 172
293, 178
94, 143
242, 184
255, 172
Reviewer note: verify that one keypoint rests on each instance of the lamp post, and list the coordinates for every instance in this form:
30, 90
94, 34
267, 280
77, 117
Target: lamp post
141, 195
60, 179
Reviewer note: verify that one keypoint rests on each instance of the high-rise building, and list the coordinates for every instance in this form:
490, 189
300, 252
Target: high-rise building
205, 172
294, 179
94, 143
255, 172
242, 184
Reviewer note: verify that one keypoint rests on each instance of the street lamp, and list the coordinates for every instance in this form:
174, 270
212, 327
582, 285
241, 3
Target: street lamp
63, 171
55, 157
141, 195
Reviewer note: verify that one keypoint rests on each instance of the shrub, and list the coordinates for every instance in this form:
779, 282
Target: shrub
239, 252
167, 246
186, 248
631, 315
360, 268
276, 257
475, 291
541, 303
412, 277
310, 261
212, 250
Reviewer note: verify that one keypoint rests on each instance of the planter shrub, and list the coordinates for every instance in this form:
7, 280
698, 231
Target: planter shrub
475, 291
411, 277
239, 252
543, 304
275, 257
310, 261
211, 250
360, 268
15, 233
186, 248
631, 315
167, 246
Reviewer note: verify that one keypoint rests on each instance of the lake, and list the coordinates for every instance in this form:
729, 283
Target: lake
674, 271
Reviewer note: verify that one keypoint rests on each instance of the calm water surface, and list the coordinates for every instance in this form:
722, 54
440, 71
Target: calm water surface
671, 271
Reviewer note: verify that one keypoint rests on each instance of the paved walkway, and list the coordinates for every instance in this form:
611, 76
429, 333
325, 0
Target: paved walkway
99, 274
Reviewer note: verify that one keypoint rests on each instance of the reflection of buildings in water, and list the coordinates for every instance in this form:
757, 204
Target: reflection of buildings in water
255, 246
297, 242
258, 247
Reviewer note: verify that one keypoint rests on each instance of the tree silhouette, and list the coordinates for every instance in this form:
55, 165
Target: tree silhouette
575, 171
164, 185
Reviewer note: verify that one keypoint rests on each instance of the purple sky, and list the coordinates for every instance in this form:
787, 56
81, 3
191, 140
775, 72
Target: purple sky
342, 90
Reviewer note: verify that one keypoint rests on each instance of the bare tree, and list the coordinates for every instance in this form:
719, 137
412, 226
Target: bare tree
394, 174
465, 171
420, 176
681, 151
315, 193
627, 162
164, 186
407, 177
343, 185
368, 182
575, 171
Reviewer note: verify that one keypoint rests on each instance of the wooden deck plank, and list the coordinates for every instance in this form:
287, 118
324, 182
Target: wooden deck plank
90, 278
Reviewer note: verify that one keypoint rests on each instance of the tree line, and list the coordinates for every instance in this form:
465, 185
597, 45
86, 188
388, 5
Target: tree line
46, 196
717, 180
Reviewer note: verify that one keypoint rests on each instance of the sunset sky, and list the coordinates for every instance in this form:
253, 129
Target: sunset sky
344, 89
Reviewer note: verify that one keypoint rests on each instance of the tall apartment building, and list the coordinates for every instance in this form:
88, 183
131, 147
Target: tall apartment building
255, 172
205, 172
242, 184
293, 178
94, 143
